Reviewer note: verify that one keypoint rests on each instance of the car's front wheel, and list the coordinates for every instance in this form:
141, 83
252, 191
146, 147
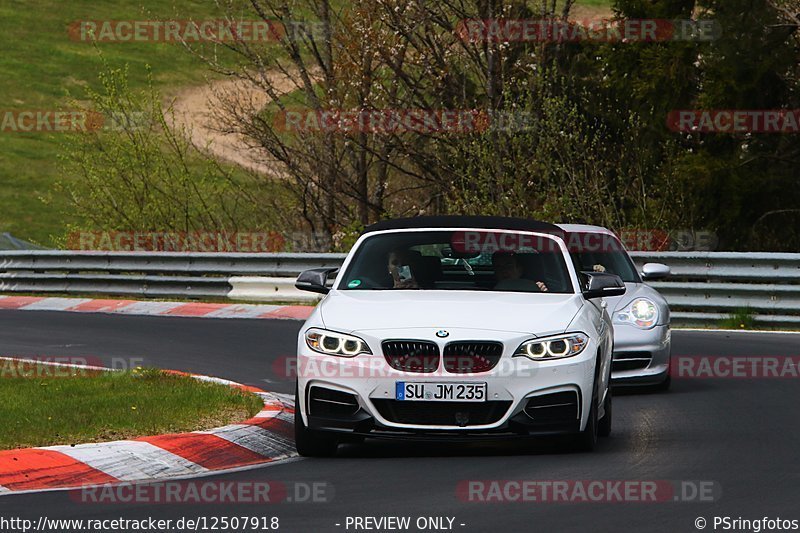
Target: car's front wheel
587, 439
664, 385
604, 426
310, 443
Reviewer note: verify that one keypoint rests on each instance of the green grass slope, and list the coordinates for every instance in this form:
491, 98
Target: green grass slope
42, 68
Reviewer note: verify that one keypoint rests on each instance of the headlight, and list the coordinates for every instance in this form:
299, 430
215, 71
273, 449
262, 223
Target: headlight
556, 347
641, 312
332, 343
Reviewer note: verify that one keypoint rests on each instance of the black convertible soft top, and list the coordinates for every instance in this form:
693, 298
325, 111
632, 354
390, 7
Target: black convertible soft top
460, 221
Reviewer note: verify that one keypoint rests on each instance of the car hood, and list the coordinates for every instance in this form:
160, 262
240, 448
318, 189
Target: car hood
538, 314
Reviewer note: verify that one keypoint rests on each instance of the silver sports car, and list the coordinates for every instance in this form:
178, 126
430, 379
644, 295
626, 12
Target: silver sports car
641, 316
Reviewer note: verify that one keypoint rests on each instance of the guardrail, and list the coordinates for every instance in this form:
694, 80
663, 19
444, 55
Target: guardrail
244, 276
704, 287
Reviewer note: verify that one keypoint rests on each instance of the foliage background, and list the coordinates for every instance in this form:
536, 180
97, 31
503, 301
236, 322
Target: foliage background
590, 141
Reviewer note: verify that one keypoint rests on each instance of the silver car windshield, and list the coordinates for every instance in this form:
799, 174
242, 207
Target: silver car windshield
472, 260
601, 252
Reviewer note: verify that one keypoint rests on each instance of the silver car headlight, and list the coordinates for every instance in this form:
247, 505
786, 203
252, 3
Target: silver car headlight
555, 347
641, 312
333, 343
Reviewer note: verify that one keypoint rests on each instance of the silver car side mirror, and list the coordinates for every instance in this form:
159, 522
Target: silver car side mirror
653, 271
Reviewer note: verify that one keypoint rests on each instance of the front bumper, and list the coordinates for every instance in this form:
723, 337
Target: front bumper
524, 397
641, 357
563, 418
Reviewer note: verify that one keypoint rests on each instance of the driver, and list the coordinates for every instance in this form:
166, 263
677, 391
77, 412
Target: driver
400, 265
508, 269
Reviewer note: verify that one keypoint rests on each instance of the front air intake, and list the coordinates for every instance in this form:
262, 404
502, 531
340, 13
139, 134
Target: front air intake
411, 356
471, 356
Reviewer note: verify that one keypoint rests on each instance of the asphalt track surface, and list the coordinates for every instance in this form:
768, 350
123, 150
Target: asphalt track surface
740, 434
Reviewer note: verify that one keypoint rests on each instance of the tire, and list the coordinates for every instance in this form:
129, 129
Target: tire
587, 439
604, 427
310, 443
664, 385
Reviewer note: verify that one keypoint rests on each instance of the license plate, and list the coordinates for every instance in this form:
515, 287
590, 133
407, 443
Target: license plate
440, 392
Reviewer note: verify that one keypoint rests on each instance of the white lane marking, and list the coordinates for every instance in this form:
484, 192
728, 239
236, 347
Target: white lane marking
243, 311
288, 403
761, 331
285, 398
55, 304
137, 461
255, 439
272, 398
270, 412
131, 460
56, 363
286, 417
294, 458
219, 381
148, 308
144, 308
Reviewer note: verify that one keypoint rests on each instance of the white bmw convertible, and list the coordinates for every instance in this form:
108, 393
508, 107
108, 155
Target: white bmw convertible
455, 328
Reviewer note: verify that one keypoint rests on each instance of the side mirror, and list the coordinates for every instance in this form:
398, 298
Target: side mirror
601, 284
315, 280
652, 271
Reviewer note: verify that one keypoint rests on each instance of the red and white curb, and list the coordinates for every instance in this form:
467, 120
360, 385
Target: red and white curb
265, 438
133, 307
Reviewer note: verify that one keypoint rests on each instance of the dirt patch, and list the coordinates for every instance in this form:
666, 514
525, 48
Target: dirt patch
590, 12
197, 111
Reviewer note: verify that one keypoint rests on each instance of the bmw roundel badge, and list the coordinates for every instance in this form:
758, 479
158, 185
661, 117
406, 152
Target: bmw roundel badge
442, 333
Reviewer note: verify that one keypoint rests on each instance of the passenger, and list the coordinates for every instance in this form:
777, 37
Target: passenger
508, 269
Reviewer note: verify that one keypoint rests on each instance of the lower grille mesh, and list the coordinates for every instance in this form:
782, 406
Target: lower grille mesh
460, 414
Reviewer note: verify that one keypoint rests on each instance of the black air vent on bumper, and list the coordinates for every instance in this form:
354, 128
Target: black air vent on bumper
560, 409
331, 403
622, 361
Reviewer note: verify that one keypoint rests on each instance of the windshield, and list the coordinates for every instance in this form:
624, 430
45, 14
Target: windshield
458, 260
600, 252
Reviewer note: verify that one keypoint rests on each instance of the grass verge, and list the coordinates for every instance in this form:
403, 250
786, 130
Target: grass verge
743, 318
42, 68
47, 405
